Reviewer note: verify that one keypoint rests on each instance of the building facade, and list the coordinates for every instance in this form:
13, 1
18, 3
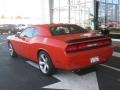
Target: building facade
109, 12
87, 12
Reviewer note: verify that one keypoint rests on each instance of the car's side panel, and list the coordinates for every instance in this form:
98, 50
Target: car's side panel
25, 46
55, 47
47, 44
21, 45
17, 44
56, 50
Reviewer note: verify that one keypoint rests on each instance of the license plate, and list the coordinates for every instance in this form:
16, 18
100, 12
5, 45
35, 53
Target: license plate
94, 59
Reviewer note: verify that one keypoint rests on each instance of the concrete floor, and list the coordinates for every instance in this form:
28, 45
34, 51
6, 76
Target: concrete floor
17, 74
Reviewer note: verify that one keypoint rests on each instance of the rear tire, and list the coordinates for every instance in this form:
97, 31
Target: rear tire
11, 50
45, 63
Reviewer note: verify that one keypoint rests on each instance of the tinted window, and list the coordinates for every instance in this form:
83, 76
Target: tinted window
34, 32
29, 32
68, 29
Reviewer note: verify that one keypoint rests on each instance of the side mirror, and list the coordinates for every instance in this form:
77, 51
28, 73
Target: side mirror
18, 34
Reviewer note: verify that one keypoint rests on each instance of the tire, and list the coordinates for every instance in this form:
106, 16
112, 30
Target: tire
11, 50
45, 63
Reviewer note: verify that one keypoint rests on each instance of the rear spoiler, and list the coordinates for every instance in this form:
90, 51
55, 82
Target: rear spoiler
83, 39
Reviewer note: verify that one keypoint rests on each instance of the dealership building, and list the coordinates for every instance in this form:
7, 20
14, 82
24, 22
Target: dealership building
86, 12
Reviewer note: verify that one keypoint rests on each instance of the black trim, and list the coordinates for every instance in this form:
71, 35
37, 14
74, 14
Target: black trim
82, 39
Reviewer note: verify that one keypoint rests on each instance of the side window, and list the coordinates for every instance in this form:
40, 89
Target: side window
23, 33
34, 32
29, 32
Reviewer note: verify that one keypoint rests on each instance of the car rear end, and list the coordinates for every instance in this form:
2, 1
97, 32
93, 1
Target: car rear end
82, 49
86, 52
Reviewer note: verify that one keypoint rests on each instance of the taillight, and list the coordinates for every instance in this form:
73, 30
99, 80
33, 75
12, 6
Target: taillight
76, 47
71, 48
82, 46
105, 42
88, 45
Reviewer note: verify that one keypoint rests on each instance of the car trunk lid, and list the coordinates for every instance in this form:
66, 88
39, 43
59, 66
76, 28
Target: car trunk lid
86, 41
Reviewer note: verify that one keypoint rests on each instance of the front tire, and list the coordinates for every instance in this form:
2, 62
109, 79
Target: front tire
11, 50
45, 63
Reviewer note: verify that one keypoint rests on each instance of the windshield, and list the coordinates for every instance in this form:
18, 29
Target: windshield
67, 29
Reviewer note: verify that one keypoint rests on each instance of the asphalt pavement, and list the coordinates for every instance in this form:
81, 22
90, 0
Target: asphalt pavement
22, 74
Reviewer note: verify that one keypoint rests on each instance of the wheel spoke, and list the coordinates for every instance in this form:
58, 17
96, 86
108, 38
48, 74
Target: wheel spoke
43, 57
41, 63
45, 68
10, 49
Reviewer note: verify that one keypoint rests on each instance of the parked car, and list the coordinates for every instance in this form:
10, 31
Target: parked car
60, 46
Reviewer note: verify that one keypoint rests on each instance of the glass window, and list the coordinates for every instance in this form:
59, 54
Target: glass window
115, 1
66, 29
109, 1
34, 32
29, 32
89, 5
89, 1
102, 0
82, 1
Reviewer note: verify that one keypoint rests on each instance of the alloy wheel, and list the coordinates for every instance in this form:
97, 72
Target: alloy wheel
43, 63
11, 49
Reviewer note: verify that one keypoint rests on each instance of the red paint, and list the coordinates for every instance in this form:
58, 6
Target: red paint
64, 55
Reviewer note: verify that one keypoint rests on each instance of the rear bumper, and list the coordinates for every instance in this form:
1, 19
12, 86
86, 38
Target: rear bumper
82, 59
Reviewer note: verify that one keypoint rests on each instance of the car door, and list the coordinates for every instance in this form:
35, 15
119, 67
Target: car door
18, 42
31, 52
24, 39
29, 42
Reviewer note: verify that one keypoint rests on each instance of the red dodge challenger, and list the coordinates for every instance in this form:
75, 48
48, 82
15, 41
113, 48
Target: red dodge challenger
60, 46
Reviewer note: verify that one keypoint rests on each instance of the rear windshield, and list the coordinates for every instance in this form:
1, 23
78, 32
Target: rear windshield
67, 29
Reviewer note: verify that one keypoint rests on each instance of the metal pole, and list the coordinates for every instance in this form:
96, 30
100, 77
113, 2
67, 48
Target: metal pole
105, 13
118, 13
51, 6
59, 11
69, 11
79, 12
96, 10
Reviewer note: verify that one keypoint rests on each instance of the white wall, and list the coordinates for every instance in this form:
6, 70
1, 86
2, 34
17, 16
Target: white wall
36, 11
